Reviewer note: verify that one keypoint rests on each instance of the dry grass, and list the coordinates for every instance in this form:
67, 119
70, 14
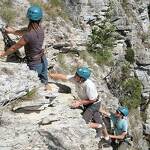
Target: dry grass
53, 8
8, 14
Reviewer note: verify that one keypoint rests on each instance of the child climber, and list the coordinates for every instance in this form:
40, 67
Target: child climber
119, 119
88, 95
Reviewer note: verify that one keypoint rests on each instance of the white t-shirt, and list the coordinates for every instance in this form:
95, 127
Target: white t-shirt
85, 90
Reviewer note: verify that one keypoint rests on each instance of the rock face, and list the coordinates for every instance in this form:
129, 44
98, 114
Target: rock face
46, 123
16, 80
50, 123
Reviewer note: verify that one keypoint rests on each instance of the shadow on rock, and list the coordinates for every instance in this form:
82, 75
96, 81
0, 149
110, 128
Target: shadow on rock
52, 142
62, 88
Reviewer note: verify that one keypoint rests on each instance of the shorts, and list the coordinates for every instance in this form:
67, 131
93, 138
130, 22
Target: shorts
92, 113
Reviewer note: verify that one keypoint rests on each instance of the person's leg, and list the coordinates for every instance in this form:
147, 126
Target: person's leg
98, 119
37, 68
44, 73
41, 69
88, 115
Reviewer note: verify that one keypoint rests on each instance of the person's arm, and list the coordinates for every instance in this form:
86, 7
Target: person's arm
58, 76
108, 114
119, 137
91, 93
14, 31
78, 103
95, 125
13, 48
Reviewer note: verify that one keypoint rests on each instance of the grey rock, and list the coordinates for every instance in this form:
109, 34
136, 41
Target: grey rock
146, 129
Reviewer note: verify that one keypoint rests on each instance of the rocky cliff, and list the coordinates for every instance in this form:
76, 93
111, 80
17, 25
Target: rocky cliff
36, 119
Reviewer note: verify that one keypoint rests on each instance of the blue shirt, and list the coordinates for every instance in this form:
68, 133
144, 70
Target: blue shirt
120, 125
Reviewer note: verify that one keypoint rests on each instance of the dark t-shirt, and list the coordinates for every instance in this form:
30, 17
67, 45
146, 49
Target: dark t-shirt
34, 41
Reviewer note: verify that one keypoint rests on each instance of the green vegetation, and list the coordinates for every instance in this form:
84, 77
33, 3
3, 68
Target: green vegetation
125, 71
101, 41
102, 57
125, 87
56, 3
53, 8
132, 92
30, 95
6, 11
129, 56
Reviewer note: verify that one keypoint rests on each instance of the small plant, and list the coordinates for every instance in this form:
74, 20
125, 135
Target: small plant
125, 87
6, 3
7, 12
56, 3
102, 39
30, 95
53, 8
129, 56
102, 57
132, 89
125, 71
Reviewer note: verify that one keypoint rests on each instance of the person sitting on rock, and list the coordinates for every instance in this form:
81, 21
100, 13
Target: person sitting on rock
88, 95
32, 39
119, 118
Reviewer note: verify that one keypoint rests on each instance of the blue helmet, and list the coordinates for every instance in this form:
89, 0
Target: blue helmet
83, 72
34, 13
124, 111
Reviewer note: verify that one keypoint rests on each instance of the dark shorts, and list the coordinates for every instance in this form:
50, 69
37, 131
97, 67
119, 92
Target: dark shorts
92, 114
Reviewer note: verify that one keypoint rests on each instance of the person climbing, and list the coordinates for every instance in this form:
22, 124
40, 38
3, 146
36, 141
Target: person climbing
88, 95
119, 140
32, 39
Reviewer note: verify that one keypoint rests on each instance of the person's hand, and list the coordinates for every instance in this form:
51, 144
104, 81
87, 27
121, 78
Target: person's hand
52, 75
2, 53
76, 104
10, 30
94, 125
58, 76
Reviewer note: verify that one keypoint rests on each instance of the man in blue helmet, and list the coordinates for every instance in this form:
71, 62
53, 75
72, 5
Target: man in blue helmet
32, 39
120, 123
88, 95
